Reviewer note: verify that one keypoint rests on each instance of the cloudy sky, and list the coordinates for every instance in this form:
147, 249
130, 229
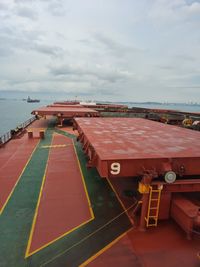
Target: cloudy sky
128, 50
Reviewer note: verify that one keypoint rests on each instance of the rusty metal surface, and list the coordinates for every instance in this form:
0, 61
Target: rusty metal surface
137, 145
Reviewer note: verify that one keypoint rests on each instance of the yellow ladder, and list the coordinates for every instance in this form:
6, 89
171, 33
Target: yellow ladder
153, 207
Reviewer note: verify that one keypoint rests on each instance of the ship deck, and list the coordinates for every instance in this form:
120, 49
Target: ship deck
56, 212
55, 209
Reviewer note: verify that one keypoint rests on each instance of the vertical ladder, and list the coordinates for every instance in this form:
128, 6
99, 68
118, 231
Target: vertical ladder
153, 207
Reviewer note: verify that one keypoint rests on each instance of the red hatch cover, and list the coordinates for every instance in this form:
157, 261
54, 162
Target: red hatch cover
122, 147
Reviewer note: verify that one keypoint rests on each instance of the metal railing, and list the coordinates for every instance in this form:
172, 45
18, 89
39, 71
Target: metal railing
7, 136
26, 123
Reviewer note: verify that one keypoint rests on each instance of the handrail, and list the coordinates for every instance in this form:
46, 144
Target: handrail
7, 136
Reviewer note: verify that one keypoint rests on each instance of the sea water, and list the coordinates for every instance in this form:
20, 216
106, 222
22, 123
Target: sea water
15, 111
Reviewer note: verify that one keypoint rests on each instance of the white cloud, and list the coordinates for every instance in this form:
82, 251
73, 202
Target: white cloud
56, 8
132, 50
98, 72
174, 10
26, 12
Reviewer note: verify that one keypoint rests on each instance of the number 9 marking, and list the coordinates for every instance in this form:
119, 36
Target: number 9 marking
115, 168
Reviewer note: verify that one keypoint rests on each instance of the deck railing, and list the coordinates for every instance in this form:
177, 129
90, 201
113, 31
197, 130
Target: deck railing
7, 136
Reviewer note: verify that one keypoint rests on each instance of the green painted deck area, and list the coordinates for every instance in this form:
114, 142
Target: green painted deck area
73, 249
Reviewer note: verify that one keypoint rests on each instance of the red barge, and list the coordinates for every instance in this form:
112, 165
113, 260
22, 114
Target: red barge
100, 185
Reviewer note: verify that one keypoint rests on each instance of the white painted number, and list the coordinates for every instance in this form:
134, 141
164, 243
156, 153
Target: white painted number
115, 168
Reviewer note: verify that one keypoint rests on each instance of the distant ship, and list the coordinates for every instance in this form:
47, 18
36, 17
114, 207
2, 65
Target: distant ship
29, 100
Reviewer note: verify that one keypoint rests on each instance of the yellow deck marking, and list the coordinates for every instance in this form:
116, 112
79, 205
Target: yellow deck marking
54, 146
124, 208
88, 236
83, 180
3, 207
27, 254
36, 210
56, 239
38, 129
85, 263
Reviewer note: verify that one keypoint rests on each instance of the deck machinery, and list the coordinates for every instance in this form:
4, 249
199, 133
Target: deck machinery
165, 158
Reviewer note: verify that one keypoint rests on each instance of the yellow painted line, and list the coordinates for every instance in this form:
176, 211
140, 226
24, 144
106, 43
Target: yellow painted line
39, 129
36, 210
83, 180
124, 208
85, 263
56, 239
27, 254
54, 146
87, 237
3, 207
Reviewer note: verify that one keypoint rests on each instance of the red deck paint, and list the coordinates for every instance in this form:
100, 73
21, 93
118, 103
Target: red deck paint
63, 205
13, 158
137, 144
165, 245
39, 124
120, 254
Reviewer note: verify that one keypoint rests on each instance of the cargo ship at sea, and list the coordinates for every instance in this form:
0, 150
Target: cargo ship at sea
90, 184
30, 100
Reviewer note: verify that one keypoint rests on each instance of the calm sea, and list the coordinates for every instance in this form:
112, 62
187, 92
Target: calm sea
14, 111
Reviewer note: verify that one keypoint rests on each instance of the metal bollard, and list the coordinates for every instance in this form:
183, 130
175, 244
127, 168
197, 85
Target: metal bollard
30, 134
42, 134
